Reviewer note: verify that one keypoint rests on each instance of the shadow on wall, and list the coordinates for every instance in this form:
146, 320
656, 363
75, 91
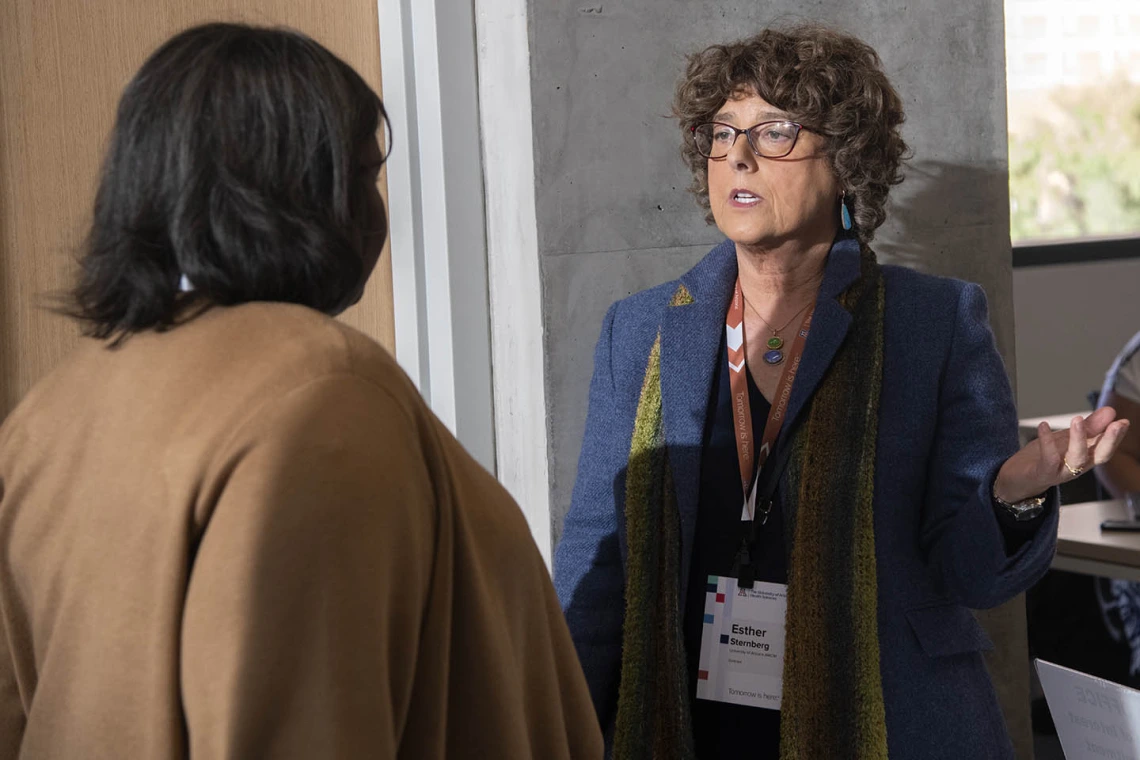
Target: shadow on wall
941, 218
940, 208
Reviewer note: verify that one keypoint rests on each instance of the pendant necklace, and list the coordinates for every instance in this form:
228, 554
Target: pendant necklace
775, 353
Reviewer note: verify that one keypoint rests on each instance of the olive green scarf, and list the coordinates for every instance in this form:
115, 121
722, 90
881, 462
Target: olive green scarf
832, 698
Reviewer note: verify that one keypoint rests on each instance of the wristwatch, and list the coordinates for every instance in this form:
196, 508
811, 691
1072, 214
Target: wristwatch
1021, 510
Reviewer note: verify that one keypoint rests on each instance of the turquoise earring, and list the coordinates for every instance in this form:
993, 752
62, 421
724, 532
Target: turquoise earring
844, 214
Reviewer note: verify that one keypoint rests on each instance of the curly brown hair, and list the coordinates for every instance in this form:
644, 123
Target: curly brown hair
831, 82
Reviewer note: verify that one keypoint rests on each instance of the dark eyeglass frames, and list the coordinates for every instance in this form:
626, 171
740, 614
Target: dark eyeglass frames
768, 139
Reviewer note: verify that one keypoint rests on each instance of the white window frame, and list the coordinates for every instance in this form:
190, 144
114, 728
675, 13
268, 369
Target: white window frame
465, 268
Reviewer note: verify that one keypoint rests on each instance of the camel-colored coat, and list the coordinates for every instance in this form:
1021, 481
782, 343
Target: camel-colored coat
248, 537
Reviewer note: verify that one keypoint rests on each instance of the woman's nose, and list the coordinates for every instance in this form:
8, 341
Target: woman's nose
740, 156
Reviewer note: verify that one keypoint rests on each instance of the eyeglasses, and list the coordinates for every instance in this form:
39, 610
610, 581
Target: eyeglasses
386, 133
769, 139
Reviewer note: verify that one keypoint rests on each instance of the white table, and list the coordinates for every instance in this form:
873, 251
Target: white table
1082, 547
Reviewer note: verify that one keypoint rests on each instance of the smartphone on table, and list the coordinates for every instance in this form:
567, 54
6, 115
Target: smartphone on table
1132, 525
1132, 509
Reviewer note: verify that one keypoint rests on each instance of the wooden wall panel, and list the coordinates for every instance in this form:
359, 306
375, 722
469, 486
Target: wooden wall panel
63, 64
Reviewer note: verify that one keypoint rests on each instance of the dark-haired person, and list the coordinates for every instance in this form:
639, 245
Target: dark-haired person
801, 468
229, 526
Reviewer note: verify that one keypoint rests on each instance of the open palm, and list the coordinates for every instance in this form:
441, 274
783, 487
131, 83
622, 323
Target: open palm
1058, 456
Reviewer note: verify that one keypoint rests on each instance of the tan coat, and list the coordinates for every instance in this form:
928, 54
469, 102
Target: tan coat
248, 537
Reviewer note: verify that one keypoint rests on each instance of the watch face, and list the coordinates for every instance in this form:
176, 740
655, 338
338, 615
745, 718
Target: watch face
1026, 513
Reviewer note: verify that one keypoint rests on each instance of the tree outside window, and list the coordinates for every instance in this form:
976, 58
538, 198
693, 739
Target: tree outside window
1074, 119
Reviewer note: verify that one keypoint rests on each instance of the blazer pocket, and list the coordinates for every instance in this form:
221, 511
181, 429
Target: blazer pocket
948, 629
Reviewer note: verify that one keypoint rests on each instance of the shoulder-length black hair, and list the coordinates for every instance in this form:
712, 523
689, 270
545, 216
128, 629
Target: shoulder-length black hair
233, 162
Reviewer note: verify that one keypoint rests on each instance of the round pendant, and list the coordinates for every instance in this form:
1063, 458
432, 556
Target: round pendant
774, 357
775, 343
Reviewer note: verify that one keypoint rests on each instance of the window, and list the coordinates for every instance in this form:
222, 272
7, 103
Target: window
1074, 120
1089, 63
1036, 63
1033, 27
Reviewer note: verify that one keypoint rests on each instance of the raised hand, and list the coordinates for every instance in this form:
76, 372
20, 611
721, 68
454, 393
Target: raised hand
1058, 456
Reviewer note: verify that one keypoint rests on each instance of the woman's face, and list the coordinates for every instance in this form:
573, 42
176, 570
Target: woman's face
765, 202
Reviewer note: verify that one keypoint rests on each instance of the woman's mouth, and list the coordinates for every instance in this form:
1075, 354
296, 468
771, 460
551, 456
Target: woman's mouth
743, 199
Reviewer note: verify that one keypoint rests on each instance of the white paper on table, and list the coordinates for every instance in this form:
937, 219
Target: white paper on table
1095, 719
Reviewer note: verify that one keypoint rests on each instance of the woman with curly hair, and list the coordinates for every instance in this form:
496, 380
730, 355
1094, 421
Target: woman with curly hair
801, 467
230, 528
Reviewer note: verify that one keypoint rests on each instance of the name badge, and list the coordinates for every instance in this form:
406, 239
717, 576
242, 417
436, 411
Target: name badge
742, 644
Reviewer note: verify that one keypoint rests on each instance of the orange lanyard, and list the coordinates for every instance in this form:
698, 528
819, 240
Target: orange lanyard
741, 407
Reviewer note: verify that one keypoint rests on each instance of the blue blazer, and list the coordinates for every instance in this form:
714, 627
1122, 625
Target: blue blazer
947, 423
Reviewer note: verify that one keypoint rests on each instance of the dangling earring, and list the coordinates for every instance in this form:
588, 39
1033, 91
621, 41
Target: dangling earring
844, 214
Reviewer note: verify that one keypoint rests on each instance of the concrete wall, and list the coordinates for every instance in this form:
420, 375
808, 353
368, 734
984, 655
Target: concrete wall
613, 215
1072, 320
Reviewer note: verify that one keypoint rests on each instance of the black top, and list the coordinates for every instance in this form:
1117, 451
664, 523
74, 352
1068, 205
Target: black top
723, 730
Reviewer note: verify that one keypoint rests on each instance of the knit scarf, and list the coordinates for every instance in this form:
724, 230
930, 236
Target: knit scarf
832, 704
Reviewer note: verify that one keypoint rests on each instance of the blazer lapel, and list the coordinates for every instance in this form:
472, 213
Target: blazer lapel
828, 327
691, 333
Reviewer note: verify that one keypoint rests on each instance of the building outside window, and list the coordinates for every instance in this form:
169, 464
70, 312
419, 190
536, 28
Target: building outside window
1073, 80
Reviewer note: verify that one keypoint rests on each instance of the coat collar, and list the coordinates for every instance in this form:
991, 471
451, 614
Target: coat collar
691, 333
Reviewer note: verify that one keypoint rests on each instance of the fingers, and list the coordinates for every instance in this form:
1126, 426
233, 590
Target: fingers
1050, 450
1097, 422
1104, 449
1077, 458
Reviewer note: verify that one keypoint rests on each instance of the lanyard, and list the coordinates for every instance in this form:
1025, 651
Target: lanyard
747, 454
